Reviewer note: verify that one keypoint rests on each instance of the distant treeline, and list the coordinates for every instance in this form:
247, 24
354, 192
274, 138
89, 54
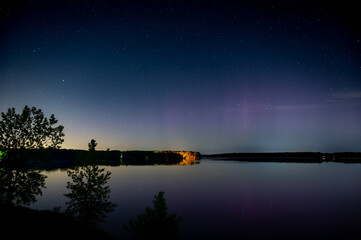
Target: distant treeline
65, 158
306, 157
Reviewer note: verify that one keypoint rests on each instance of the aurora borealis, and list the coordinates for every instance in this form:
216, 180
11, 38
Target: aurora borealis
208, 76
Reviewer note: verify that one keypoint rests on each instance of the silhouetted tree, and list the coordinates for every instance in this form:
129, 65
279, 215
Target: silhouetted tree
30, 130
89, 196
155, 223
92, 145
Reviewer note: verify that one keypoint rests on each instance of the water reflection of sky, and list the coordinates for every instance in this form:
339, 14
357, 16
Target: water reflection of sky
219, 199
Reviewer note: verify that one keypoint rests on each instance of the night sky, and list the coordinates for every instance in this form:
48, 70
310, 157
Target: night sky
208, 76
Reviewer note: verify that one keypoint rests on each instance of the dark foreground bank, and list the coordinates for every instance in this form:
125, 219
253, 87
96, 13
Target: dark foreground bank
24, 223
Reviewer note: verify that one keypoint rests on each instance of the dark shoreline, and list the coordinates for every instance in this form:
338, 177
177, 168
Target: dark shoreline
23, 222
50, 159
289, 157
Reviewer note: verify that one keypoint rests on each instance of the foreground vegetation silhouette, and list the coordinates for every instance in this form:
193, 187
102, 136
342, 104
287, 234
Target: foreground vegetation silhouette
155, 223
26, 139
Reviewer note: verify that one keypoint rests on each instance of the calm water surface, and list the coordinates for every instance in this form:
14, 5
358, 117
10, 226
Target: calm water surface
234, 200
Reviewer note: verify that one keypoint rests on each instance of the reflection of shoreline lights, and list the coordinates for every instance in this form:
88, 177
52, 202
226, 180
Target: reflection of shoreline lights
225, 78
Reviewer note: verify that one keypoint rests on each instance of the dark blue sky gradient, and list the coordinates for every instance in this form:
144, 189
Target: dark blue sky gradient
216, 76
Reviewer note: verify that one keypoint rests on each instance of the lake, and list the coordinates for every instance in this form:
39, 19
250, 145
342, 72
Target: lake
232, 199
